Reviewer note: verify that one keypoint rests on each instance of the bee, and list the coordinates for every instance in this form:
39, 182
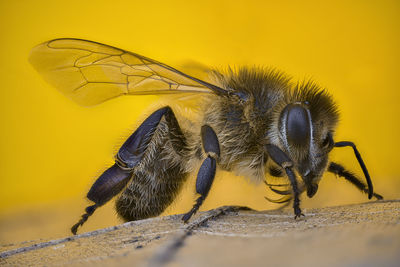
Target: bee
253, 122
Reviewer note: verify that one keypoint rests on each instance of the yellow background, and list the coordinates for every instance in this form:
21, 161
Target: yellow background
52, 149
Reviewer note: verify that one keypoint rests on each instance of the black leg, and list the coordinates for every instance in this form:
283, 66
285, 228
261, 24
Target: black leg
161, 173
131, 152
280, 158
351, 177
206, 174
89, 211
114, 179
361, 162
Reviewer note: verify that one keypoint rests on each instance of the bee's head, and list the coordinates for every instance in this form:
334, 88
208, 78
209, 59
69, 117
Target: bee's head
305, 133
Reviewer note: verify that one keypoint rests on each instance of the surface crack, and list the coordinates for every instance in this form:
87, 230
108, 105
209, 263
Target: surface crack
167, 252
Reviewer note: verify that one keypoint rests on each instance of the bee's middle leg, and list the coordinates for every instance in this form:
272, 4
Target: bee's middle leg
206, 174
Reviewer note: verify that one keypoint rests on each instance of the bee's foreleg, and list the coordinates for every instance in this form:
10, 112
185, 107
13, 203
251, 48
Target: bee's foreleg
351, 177
283, 160
206, 174
114, 179
361, 162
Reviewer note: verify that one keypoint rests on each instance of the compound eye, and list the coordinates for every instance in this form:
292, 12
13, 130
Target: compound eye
298, 127
328, 141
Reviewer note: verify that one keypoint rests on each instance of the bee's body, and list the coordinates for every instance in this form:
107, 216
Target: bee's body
255, 123
243, 127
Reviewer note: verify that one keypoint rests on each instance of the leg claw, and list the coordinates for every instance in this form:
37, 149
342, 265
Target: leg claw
298, 215
297, 212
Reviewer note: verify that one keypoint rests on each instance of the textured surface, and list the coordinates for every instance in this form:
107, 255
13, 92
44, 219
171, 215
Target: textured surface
364, 234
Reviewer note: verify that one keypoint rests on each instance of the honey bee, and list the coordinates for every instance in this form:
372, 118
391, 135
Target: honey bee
253, 122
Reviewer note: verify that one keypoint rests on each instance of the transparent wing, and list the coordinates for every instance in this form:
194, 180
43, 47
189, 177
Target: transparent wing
91, 73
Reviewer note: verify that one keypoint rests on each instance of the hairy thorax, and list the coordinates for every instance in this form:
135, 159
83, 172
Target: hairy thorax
240, 141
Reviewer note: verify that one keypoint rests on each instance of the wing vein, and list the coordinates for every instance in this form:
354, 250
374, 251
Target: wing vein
71, 64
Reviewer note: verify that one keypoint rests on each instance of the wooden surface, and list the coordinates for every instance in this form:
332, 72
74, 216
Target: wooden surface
355, 235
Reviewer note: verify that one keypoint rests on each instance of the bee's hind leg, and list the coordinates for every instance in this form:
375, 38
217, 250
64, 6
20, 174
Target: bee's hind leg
114, 179
206, 174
